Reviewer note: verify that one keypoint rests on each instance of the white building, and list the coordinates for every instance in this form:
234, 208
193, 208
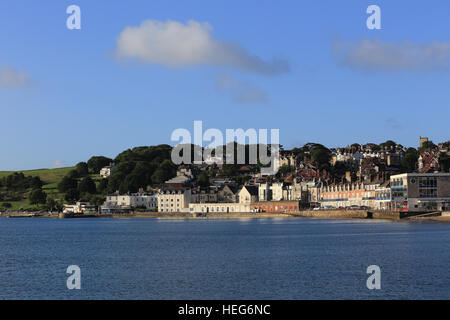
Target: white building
174, 200
79, 208
271, 191
248, 195
128, 202
105, 172
218, 208
383, 197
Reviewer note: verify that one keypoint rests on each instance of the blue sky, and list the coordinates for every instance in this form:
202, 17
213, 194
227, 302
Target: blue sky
310, 68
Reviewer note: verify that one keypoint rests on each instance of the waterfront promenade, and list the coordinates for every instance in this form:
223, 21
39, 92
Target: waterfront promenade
323, 214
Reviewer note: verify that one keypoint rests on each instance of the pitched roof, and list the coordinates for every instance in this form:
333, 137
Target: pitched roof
253, 190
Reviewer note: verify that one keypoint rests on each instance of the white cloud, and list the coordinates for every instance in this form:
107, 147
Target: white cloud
394, 56
11, 79
175, 44
58, 164
241, 92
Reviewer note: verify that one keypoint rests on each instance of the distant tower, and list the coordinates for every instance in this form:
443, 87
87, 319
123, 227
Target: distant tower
422, 140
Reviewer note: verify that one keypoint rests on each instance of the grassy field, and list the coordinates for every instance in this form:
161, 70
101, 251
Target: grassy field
46, 175
50, 178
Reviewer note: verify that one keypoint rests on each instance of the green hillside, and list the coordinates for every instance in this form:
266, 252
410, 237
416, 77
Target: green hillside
50, 178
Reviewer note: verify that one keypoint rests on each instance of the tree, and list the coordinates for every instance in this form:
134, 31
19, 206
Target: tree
155, 154
51, 204
388, 143
115, 180
427, 146
159, 176
96, 163
241, 180
97, 200
203, 179
85, 197
82, 169
73, 174
284, 169
165, 171
409, 161
299, 152
340, 168
36, 183
132, 183
72, 195
87, 185
444, 162
125, 167
119, 175
102, 186
37, 197
229, 170
321, 157
17, 181
145, 170
6, 205
66, 184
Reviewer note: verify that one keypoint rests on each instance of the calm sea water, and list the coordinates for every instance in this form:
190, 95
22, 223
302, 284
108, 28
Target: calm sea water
223, 259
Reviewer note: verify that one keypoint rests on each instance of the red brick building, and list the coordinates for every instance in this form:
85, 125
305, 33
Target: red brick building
275, 206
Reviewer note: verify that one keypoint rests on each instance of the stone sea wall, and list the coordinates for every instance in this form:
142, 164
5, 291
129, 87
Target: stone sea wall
347, 214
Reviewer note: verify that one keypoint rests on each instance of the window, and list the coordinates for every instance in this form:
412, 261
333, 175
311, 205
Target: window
427, 187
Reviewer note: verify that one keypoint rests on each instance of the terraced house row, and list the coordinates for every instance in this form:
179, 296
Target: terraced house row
403, 192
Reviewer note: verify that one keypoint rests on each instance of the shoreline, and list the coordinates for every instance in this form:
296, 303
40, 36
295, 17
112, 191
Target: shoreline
317, 214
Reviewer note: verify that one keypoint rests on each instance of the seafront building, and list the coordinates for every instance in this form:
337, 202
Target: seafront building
349, 194
420, 192
275, 206
204, 195
219, 207
248, 194
227, 194
174, 200
412, 192
79, 208
118, 203
383, 197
